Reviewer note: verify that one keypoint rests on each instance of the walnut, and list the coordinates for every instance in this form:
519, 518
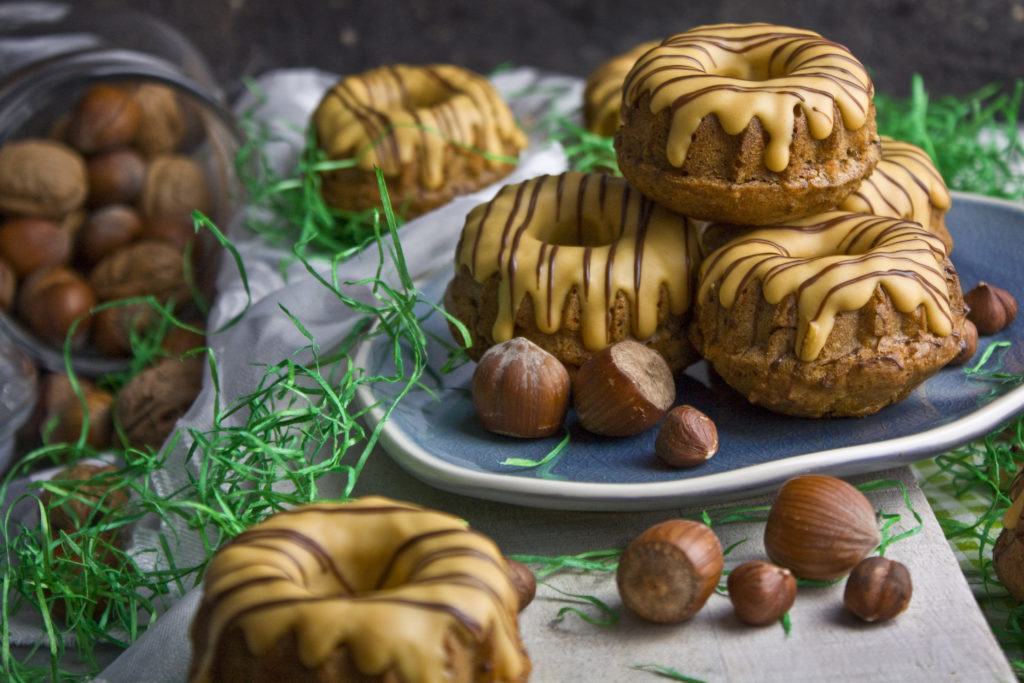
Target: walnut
149, 405
141, 269
161, 127
41, 178
175, 184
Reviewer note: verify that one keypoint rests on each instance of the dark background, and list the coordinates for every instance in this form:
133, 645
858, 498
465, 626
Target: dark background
958, 46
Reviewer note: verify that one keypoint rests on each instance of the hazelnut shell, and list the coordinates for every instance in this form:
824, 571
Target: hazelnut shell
686, 438
668, 572
761, 592
520, 390
991, 308
50, 300
104, 117
623, 389
820, 527
28, 244
878, 589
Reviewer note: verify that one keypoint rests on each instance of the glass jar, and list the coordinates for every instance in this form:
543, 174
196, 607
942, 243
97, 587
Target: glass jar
50, 55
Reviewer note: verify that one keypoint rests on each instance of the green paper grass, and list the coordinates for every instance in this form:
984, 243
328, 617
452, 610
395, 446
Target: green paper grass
266, 451
974, 141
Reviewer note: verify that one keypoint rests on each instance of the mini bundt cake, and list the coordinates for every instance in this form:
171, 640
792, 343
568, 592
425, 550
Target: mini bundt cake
435, 131
905, 184
602, 93
837, 314
750, 124
575, 262
373, 589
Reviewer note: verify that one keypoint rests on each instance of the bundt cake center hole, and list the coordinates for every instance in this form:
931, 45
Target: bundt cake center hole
745, 67
425, 95
585, 232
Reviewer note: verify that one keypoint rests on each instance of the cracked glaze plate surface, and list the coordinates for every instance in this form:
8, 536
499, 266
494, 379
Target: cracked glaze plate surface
438, 439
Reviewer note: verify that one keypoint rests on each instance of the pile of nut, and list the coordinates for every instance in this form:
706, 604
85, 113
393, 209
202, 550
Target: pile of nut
100, 211
819, 528
626, 388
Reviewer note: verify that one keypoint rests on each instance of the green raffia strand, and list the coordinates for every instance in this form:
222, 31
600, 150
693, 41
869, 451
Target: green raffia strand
611, 616
266, 450
981, 471
590, 561
666, 672
973, 141
547, 462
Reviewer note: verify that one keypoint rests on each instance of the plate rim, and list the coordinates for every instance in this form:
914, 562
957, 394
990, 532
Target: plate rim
720, 486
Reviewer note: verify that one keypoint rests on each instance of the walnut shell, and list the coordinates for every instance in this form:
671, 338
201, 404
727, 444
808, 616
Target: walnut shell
41, 178
149, 405
141, 269
175, 184
161, 124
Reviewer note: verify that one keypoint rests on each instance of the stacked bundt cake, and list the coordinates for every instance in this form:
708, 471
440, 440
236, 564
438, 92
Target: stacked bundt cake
809, 262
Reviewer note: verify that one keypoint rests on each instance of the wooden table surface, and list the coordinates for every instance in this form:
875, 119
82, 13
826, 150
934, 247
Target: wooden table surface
942, 636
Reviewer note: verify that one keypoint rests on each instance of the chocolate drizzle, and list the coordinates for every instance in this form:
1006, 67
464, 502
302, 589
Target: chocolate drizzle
834, 262
738, 71
593, 234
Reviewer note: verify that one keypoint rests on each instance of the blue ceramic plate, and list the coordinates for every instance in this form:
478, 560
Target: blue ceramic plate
438, 439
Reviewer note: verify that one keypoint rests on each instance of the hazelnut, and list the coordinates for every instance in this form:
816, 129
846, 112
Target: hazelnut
106, 230
116, 177
161, 124
878, 589
149, 405
761, 592
970, 346
668, 572
112, 328
991, 308
67, 422
521, 390
175, 184
141, 269
41, 179
177, 229
54, 391
687, 437
105, 117
820, 527
51, 300
523, 581
180, 340
8, 285
623, 389
29, 244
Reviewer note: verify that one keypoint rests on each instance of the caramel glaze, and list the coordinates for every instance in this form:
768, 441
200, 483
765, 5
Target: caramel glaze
833, 262
905, 184
394, 115
387, 580
739, 71
592, 233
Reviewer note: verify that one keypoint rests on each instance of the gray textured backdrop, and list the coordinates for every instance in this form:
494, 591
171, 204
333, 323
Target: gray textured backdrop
957, 45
